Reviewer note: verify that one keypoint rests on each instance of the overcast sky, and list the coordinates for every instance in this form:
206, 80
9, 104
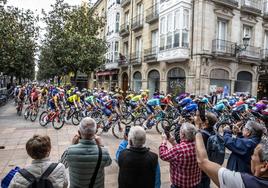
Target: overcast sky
38, 5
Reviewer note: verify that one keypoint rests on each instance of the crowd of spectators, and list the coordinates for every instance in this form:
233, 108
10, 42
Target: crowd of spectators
190, 166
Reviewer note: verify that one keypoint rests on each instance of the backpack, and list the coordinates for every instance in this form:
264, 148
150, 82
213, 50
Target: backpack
8, 178
215, 147
40, 182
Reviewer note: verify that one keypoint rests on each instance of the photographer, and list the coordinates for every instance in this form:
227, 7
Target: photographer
243, 145
184, 171
206, 130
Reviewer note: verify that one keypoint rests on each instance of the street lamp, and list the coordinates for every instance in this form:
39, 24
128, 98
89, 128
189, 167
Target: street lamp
241, 48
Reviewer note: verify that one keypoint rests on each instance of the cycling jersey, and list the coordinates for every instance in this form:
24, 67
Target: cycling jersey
136, 98
154, 102
90, 99
73, 98
219, 107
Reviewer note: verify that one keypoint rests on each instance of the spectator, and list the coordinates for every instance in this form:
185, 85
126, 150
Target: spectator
123, 144
138, 167
214, 99
206, 130
184, 170
82, 156
242, 146
38, 148
225, 178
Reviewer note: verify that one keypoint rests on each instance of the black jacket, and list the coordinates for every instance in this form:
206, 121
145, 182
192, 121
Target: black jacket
137, 168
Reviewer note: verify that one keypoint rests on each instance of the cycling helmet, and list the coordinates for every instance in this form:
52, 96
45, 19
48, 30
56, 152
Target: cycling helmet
95, 94
205, 100
78, 93
161, 96
143, 94
191, 107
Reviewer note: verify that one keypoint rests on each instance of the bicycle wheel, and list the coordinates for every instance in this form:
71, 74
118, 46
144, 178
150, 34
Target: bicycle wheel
43, 119
58, 121
128, 117
162, 125
96, 115
118, 130
139, 121
34, 115
76, 118
27, 113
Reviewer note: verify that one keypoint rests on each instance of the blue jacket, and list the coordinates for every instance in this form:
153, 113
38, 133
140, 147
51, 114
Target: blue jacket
242, 149
122, 146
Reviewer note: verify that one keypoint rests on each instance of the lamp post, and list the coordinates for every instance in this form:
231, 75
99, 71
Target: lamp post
241, 48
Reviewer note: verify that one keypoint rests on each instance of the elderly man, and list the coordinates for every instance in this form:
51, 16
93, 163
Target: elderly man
225, 178
243, 145
138, 167
82, 157
184, 170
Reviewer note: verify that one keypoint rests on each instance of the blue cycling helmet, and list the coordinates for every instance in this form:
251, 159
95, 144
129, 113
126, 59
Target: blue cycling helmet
205, 100
191, 107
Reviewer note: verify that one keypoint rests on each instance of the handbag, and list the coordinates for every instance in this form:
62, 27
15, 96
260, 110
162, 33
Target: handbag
94, 176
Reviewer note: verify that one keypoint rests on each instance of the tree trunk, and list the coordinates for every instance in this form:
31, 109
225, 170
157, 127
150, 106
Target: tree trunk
58, 81
75, 77
20, 80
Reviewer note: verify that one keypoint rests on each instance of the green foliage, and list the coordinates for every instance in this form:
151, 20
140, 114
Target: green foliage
71, 43
18, 34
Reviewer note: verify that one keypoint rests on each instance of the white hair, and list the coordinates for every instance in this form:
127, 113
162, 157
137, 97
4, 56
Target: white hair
137, 136
189, 131
87, 127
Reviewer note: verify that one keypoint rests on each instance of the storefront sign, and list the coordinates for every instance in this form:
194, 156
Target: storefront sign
105, 73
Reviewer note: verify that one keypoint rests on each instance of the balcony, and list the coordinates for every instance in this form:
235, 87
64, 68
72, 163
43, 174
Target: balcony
125, 3
150, 55
264, 54
251, 53
112, 63
137, 22
123, 61
124, 30
265, 10
173, 53
228, 3
136, 58
223, 48
251, 6
152, 13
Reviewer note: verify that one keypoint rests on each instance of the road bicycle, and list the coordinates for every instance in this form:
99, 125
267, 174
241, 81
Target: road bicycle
57, 119
31, 111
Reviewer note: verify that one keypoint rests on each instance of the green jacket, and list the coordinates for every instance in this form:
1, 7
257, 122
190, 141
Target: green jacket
82, 159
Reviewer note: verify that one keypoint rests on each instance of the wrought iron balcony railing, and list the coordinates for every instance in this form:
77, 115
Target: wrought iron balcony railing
223, 47
251, 52
150, 55
251, 6
229, 3
136, 58
137, 22
124, 29
152, 13
125, 2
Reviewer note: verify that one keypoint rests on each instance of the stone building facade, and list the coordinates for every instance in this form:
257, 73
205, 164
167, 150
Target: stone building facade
192, 46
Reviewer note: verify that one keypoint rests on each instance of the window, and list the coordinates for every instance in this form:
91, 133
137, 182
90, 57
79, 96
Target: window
247, 30
266, 40
163, 25
126, 18
154, 41
177, 27
222, 35
138, 47
118, 2
117, 19
185, 38
185, 19
126, 49
169, 31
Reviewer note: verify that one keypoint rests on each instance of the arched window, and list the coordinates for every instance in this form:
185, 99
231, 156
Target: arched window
137, 81
244, 82
176, 81
117, 20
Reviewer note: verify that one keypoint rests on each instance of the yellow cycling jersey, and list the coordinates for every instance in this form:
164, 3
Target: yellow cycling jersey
74, 98
130, 96
136, 98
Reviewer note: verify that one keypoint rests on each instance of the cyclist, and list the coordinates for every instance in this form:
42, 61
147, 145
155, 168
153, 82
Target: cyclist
74, 100
34, 97
21, 95
152, 105
166, 102
138, 101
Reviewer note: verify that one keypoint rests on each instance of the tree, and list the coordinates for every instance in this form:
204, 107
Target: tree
18, 35
72, 39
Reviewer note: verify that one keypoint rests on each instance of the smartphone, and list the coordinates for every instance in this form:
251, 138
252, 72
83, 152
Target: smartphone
202, 110
167, 133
